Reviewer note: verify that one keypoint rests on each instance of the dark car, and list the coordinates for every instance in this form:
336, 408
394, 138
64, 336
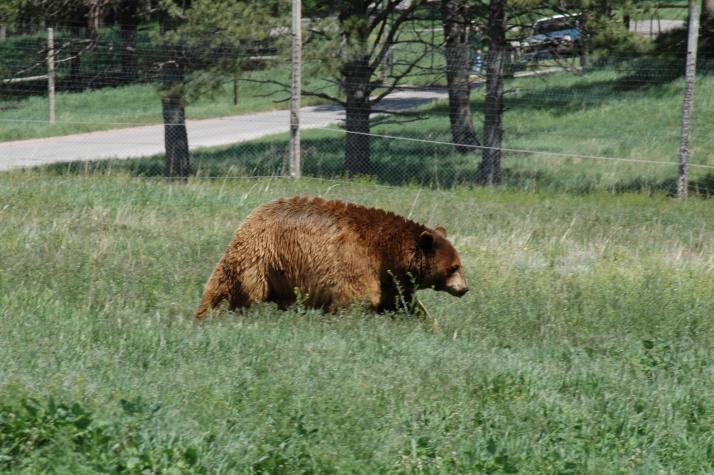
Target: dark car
557, 35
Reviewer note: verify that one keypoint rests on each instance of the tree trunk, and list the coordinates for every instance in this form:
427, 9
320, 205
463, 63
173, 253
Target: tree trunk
357, 111
356, 73
128, 18
585, 40
584, 52
3, 32
490, 166
357, 139
94, 19
706, 19
175, 137
458, 65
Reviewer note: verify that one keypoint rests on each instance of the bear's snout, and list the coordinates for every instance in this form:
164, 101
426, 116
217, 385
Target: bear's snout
457, 285
458, 292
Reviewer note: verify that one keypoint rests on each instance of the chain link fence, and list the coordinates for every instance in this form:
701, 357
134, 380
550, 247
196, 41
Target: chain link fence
160, 107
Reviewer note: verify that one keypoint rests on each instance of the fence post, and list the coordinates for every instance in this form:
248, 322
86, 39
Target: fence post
295, 165
689, 77
51, 74
236, 87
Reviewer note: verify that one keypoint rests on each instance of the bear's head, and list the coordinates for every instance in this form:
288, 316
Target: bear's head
442, 265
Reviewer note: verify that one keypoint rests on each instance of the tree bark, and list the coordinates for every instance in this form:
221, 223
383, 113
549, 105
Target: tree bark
356, 73
173, 69
458, 66
357, 120
128, 18
490, 166
706, 19
177, 163
585, 35
94, 18
584, 52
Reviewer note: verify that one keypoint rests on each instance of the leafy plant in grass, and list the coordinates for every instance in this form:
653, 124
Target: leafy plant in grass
37, 436
30, 427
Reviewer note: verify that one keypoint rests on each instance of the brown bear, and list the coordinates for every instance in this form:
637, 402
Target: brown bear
331, 254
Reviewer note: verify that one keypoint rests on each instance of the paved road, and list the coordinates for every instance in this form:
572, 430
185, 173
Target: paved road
149, 140
654, 27
136, 142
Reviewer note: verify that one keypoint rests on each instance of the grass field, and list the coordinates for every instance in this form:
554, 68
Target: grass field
584, 346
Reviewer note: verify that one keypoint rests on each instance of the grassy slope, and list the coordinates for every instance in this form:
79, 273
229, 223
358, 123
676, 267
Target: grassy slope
604, 113
585, 345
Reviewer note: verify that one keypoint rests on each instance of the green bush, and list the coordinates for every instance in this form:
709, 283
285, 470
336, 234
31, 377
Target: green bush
37, 437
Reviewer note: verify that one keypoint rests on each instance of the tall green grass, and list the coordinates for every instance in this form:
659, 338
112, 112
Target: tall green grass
584, 346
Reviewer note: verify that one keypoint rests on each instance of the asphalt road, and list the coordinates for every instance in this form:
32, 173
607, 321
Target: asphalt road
144, 141
136, 142
654, 27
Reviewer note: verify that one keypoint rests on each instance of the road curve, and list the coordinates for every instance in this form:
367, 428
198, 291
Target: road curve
135, 142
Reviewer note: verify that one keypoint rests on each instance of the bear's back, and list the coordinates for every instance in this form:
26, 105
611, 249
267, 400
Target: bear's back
330, 215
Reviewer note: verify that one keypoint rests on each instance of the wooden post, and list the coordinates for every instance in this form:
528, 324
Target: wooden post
689, 77
236, 87
51, 74
295, 165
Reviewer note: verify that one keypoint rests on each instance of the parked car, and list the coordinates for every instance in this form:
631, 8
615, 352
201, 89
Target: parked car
557, 35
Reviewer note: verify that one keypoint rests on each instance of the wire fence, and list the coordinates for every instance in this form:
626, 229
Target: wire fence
121, 108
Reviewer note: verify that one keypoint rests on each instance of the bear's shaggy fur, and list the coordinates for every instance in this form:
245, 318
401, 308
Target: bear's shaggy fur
331, 254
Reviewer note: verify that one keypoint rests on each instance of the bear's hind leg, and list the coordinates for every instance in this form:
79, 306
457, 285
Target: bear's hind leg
222, 285
252, 288
216, 290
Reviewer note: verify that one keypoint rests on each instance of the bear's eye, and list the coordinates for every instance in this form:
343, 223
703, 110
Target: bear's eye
453, 270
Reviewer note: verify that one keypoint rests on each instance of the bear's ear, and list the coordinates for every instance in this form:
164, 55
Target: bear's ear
426, 241
441, 230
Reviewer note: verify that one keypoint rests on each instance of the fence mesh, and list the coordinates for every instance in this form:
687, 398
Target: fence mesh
121, 108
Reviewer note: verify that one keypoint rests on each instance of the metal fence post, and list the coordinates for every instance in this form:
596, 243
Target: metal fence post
51, 74
295, 165
690, 72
